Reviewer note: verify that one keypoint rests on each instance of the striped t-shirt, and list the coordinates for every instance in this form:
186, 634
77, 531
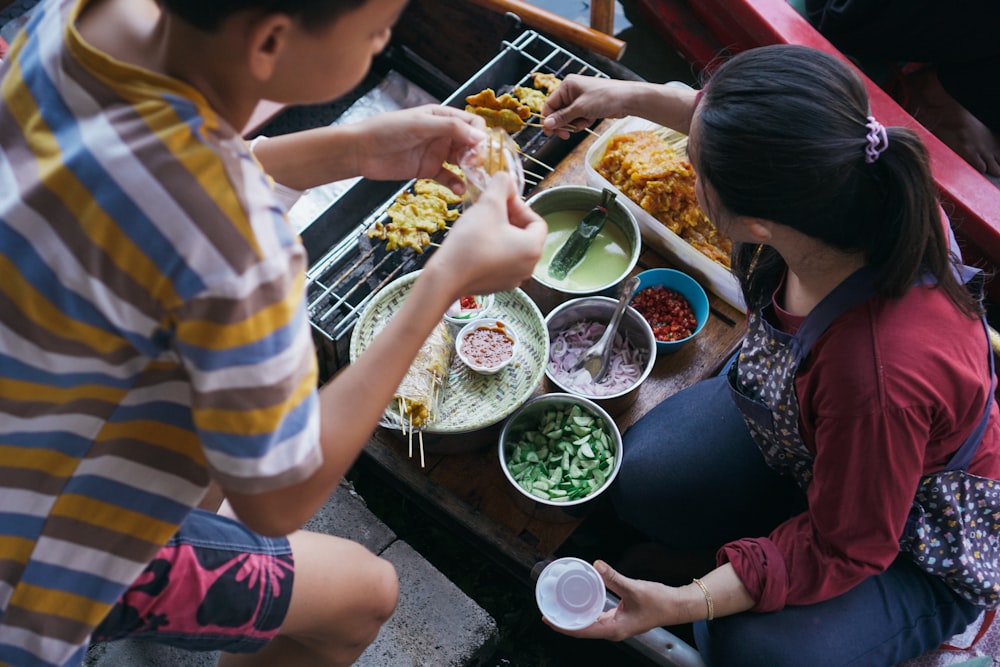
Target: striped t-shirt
152, 330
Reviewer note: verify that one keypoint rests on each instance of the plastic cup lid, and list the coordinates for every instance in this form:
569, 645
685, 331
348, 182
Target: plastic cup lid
570, 593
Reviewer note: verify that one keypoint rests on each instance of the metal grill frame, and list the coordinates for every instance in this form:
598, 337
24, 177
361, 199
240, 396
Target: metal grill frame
347, 273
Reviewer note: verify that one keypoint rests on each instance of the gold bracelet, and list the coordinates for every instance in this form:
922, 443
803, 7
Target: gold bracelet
708, 598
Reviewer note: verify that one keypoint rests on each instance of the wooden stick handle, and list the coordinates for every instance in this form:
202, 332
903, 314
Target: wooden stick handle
602, 16
559, 27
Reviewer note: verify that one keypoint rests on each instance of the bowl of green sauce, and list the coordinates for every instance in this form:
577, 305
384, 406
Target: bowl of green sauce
609, 258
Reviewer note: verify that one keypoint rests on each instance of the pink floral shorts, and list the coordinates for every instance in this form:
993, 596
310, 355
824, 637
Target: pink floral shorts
216, 586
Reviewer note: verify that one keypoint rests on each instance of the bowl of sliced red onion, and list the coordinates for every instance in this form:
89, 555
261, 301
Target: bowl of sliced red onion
576, 325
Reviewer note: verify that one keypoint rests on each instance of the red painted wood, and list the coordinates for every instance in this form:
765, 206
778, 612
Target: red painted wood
702, 30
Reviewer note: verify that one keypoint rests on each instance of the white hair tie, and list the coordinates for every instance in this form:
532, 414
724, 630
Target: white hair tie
878, 139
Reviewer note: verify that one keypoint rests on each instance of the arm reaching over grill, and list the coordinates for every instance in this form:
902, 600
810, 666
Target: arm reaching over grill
581, 100
493, 247
412, 143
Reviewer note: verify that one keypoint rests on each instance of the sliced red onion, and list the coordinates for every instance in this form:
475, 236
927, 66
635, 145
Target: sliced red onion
626, 365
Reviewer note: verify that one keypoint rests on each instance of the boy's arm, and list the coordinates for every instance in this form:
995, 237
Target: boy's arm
493, 247
413, 143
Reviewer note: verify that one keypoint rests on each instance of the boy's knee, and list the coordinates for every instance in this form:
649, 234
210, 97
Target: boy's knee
385, 589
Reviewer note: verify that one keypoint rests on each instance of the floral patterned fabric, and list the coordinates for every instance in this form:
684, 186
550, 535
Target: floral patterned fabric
953, 530
215, 586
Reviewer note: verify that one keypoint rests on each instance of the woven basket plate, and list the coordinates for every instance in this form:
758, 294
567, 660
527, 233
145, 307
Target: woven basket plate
470, 401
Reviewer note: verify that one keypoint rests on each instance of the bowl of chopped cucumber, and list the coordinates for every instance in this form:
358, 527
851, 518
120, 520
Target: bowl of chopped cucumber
560, 450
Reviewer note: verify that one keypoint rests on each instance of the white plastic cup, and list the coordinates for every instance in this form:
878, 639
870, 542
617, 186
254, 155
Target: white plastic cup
570, 593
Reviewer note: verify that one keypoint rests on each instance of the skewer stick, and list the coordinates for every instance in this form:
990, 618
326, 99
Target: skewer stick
420, 437
436, 245
532, 174
411, 438
535, 160
585, 129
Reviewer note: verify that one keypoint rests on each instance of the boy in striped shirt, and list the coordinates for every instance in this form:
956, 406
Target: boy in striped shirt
153, 336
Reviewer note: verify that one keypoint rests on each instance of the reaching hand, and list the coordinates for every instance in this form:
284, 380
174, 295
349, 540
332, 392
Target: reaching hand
644, 605
414, 143
579, 101
494, 246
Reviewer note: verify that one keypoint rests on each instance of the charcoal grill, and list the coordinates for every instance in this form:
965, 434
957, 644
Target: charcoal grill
346, 267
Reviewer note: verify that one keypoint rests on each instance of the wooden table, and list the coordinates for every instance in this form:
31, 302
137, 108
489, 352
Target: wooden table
462, 483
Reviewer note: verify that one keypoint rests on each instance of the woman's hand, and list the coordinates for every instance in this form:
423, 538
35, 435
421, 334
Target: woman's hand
414, 143
581, 100
494, 246
644, 605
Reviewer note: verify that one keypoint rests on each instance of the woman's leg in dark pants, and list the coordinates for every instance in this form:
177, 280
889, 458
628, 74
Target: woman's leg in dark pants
886, 619
692, 477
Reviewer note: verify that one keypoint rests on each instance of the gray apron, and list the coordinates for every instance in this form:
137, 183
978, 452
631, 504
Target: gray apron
953, 527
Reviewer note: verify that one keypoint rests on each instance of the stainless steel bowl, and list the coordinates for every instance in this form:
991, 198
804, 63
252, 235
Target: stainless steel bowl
527, 418
600, 309
584, 198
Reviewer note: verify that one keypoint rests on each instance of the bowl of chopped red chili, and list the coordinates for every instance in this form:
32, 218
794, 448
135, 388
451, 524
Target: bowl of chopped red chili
674, 304
486, 345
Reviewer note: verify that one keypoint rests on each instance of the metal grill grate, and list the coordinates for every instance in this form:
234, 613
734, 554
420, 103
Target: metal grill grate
353, 267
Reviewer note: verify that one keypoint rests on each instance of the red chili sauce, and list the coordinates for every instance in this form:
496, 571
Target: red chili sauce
488, 347
667, 311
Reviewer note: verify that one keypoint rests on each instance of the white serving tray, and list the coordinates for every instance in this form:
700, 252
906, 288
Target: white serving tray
710, 274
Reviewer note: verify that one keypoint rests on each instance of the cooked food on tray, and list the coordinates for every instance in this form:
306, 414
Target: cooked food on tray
545, 81
532, 98
487, 99
426, 186
650, 172
415, 215
505, 119
510, 112
415, 402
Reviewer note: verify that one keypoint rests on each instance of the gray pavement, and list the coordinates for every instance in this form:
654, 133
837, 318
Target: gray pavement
435, 623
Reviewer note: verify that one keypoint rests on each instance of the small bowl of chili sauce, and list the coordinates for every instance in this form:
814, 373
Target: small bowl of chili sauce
674, 304
486, 345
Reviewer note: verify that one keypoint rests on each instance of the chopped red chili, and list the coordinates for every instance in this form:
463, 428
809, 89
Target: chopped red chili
468, 303
667, 311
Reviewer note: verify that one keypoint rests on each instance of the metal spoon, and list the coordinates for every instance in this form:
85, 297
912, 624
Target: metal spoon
597, 357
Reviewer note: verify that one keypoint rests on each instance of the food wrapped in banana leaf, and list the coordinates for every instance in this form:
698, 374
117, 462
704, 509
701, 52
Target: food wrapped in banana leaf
416, 400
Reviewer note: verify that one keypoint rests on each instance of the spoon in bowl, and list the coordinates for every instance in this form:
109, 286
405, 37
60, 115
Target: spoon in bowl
597, 357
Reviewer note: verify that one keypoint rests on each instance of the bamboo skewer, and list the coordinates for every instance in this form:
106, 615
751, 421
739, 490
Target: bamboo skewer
534, 159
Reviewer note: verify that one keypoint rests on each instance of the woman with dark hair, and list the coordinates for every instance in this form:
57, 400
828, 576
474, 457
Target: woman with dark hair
863, 388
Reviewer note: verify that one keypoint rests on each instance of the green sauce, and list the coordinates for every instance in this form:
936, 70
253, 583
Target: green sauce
606, 260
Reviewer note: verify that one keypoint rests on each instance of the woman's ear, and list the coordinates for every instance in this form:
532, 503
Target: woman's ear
267, 38
759, 229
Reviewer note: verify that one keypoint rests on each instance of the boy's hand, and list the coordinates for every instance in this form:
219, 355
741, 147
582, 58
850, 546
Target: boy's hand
493, 247
414, 143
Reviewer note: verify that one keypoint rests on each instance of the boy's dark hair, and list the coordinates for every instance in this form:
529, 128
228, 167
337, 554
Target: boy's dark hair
208, 15
783, 137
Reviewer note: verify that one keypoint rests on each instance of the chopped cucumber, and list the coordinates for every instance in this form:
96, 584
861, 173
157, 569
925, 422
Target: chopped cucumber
567, 457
